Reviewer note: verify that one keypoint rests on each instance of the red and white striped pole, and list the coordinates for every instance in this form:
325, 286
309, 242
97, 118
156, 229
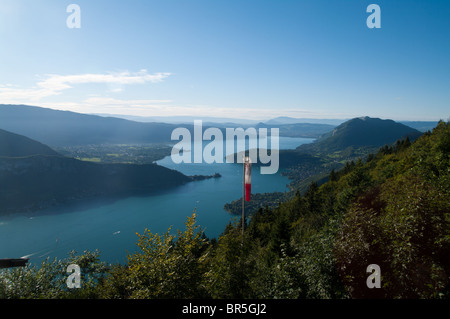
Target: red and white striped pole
247, 187
247, 178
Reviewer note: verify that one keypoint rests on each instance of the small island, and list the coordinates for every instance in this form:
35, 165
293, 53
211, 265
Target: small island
269, 200
202, 177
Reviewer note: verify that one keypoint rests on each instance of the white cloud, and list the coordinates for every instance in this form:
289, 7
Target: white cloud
55, 84
98, 104
62, 82
106, 101
149, 107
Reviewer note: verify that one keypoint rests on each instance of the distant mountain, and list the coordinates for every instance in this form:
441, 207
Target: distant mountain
422, 126
181, 119
281, 120
33, 176
362, 132
307, 130
14, 145
64, 128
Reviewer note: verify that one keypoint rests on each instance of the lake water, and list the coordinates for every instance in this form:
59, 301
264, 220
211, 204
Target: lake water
111, 226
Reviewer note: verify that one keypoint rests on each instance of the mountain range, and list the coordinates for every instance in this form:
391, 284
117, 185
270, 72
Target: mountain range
422, 126
281, 120
34, 176
64, 128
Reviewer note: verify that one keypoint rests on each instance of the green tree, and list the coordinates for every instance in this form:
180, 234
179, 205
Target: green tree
166, 266
48, 279
230, 267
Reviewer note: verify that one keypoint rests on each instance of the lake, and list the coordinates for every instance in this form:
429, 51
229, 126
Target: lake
111, 225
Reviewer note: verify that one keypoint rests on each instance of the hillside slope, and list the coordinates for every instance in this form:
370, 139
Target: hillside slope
392, 210
64, 128
35, 177
14, 145
364, 131
353, 139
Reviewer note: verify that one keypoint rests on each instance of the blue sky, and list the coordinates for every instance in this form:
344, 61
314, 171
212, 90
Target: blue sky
238, 59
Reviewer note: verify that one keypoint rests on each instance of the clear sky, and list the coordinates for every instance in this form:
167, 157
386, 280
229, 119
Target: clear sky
255, 59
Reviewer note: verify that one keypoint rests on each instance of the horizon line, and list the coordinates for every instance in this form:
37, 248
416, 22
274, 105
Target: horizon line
226, 118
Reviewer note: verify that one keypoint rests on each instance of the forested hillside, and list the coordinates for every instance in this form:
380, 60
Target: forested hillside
33, 176
354, 139
363, 131
392, 210
14, 145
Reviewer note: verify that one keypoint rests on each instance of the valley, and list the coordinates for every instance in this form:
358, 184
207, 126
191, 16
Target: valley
117, 153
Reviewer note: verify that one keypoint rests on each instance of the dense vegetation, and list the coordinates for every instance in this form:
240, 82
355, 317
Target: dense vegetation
392, 209
258, 201
312, 163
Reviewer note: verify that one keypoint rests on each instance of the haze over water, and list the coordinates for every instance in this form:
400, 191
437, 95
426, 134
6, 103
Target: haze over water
111, 226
